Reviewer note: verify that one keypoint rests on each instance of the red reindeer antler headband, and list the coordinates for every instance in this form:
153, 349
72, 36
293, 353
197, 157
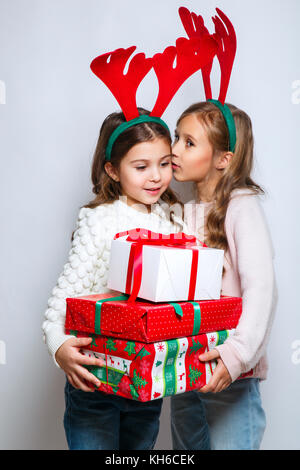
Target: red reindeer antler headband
190, 54
226, 38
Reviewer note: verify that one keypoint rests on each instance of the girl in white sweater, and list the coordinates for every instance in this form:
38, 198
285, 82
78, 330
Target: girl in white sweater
127, 187
227, 414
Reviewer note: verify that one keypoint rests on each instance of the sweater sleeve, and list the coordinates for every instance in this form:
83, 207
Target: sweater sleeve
242, 351
76, 279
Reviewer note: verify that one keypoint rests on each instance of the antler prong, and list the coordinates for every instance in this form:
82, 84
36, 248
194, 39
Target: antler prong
192, 54
123, 86
226, 53
226, 39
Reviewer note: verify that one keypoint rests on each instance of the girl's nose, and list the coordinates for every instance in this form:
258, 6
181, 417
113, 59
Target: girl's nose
155, 176
175, 148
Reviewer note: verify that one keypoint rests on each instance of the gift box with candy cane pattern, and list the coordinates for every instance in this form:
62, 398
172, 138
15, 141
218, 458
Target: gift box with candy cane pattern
144, 372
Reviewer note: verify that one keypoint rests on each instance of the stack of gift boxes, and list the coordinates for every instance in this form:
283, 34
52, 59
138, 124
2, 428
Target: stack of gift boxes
149, 329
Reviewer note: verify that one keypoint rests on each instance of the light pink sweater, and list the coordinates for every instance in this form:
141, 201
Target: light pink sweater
249, 274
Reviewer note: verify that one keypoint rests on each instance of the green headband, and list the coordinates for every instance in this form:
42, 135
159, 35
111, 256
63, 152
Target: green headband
125, 125
229, 122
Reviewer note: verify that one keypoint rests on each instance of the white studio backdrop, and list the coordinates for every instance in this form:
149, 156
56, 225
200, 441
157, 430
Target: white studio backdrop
51, 109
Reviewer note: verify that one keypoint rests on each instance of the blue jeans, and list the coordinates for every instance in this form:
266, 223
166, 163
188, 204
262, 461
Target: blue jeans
230, 420
95, 420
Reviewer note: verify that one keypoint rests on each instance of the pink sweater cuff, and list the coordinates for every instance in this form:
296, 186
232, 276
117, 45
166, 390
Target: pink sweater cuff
231, 359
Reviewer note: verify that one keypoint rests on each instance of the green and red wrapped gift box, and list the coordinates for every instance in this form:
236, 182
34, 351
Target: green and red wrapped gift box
111, 315
148, 371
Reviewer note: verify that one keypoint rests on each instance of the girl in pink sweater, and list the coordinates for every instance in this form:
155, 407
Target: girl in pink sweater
227, 413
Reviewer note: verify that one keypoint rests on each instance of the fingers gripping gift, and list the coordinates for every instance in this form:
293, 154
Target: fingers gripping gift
145, 372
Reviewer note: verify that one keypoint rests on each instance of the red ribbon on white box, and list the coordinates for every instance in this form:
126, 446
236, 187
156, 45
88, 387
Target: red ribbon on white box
140, 237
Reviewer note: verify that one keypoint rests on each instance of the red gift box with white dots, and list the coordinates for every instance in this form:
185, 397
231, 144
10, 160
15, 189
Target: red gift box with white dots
149, 371
149, 322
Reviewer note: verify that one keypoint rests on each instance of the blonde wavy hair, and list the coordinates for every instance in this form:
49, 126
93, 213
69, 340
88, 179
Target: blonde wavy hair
237, 174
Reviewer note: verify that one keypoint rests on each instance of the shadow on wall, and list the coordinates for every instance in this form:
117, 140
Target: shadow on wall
185, 191
164, 441
51, 408
40, 417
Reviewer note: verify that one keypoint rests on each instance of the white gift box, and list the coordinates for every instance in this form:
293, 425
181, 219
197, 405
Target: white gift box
166, 272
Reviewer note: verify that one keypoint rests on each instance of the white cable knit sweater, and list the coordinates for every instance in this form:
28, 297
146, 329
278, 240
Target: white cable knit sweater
87, 267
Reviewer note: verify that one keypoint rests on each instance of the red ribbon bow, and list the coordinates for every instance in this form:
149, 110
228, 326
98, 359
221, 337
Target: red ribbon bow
140, 237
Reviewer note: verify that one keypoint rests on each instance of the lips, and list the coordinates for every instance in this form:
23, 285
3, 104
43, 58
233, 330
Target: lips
153, 191
174, 165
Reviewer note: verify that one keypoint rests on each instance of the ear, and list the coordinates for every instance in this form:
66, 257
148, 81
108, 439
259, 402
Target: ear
111, 171
223, 160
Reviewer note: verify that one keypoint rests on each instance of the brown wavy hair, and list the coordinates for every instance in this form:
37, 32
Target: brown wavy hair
104, 187
237, 174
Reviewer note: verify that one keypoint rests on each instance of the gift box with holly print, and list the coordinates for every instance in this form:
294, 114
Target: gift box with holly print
145, 372
113, 315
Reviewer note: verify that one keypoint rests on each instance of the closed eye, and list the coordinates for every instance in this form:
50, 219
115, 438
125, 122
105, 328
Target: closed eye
163, 164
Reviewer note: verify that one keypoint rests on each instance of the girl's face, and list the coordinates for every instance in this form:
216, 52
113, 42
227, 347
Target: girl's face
146, 172
192, 158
